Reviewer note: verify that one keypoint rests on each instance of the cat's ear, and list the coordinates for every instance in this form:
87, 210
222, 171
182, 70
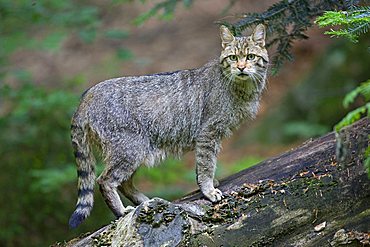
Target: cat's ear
259, 35
226, 36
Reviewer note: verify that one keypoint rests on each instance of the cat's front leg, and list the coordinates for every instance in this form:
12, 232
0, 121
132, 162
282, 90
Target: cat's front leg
206, 157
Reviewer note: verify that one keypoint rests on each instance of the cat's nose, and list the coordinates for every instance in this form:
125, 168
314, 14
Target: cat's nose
241, 68
241, 65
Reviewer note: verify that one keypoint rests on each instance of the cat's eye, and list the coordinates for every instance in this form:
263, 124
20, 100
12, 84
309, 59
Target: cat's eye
233, 58
251, 56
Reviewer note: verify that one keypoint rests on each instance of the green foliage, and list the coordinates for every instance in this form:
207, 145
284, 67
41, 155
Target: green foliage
34, 127
354, 115
21, 20
116, 34
169, 180
51, 179
304, 129
242, 164
165, 174
354, 21
164, 10
367, 159
124, 54
52, 42
363, 89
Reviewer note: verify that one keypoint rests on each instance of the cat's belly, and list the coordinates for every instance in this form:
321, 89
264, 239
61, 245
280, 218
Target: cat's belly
159, 153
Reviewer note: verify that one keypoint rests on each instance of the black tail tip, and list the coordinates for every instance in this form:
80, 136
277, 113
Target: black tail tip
76, 219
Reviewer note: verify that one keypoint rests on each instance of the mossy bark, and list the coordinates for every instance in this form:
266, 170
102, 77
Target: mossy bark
304, 197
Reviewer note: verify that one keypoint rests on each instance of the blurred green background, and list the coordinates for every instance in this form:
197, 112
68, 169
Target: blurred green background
51, 51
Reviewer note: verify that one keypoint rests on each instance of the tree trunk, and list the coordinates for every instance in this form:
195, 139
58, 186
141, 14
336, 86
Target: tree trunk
304, 197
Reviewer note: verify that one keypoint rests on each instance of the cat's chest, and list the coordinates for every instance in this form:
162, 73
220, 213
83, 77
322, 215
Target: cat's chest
241, 105
243, 111
230, 116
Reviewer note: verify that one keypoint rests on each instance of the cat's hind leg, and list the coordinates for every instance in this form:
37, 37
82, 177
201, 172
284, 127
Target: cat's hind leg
129, 190
123, 155
109, 181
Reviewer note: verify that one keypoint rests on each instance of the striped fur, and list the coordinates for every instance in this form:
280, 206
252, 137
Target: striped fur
141, 120
85, 173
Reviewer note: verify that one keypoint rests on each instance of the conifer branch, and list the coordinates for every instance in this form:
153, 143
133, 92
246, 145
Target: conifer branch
287, 21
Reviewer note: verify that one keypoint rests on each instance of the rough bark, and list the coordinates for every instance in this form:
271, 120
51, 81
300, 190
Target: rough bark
304, 197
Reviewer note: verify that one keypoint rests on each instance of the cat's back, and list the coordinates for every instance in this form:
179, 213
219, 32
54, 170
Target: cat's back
131, 88
162, 96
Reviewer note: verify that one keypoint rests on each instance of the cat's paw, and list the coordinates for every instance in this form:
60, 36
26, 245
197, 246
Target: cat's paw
214, 195
124, 211
128, 209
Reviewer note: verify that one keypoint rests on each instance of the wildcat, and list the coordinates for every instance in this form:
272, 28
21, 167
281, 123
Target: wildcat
140, 120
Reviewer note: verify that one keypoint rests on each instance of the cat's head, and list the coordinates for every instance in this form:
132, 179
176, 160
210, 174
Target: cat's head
244, 58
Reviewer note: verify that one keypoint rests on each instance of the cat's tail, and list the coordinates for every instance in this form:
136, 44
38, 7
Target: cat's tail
85, 172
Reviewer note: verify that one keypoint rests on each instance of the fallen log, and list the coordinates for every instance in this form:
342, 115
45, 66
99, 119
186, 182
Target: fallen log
304, 197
